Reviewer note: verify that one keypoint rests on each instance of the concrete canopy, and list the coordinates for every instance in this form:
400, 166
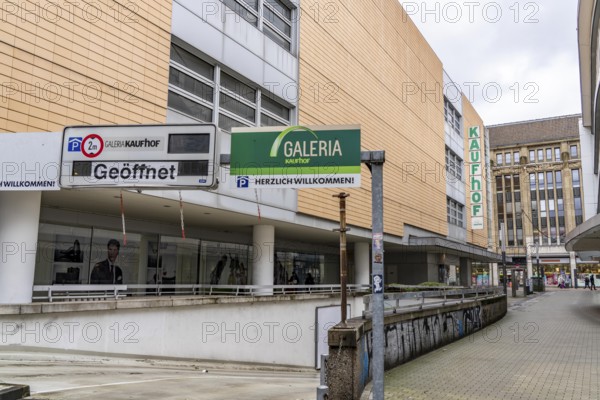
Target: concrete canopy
441, 245
585, 239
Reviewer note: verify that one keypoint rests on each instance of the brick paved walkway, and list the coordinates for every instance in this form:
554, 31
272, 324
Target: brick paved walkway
547, 347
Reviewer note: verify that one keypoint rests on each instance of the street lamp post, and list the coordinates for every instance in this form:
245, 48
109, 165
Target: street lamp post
503, 257
537, 254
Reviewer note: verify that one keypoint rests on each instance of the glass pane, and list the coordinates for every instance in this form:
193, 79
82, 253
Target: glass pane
252, 3
192, 62
63, 255
109, 252
265, 120
276, 38
225, 264
178, 261
573, 151
189, 107
241, 11
237, 87
237, 107
278, 22
280, 7
226, 123
191, 85
274, 107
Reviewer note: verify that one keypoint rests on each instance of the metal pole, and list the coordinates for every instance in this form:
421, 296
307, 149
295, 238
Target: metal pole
343, 252
541, 275
377, 159
503, 257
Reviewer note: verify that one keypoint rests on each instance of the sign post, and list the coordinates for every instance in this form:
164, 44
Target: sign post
375, 160
139, 156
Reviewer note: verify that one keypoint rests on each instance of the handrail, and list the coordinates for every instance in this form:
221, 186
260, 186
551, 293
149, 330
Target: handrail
91, 292
81, 291
416, 300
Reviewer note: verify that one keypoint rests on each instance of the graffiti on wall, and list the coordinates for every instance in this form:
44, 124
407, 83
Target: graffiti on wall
406, 340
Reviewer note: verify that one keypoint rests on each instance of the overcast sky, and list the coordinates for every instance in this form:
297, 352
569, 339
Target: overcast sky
515, 59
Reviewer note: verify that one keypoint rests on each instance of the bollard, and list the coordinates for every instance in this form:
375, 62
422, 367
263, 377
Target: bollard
322, 393
323, 389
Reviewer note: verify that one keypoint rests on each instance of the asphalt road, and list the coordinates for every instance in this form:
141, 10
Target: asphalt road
63, 376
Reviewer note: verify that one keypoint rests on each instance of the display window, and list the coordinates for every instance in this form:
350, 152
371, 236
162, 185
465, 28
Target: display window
63, 255
77, 255
225, 263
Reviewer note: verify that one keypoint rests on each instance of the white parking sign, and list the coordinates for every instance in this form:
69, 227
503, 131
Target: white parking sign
139, 156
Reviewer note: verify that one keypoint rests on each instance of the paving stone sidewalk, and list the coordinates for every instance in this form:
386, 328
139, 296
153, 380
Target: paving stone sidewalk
547, 347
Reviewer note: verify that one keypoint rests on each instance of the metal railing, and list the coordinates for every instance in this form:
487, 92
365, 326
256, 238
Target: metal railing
104, 292
78, 292
427, 298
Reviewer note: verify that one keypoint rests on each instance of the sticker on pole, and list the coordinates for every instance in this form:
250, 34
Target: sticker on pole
377, 284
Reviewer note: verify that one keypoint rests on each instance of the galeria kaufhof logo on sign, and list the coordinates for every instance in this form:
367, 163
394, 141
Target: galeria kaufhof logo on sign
135, 143
296, 157
300, 152
93, 144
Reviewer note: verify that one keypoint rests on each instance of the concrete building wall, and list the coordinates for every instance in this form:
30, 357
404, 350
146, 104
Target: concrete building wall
407, 335
226, 329
590, 179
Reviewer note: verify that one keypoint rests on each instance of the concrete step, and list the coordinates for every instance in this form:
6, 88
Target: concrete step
13, 392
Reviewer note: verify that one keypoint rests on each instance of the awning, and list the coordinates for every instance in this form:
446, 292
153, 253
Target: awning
441, 245
585, 239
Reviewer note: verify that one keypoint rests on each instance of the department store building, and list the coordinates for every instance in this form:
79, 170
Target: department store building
236, 63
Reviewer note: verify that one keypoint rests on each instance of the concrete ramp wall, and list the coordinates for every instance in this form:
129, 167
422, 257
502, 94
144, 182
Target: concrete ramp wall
276, 330
407, 335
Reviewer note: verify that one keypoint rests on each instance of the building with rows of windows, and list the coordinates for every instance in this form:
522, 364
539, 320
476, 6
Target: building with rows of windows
584, 238
539, 192
235, 63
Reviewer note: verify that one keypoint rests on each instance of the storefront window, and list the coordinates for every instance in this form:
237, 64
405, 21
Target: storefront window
114, 260
63, 255
177, 261
480, 274
75, 255
225, 263
298, 268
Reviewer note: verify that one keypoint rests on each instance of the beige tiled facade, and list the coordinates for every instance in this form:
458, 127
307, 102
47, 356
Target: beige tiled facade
368, 71
84, 62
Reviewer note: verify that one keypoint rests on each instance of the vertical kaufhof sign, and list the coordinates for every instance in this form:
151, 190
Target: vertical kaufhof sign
295, 157
139, 156
476, 178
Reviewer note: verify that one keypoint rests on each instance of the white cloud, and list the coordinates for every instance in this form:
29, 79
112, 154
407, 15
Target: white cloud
521, 54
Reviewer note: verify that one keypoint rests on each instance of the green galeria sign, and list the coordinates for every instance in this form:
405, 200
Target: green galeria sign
295, 157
